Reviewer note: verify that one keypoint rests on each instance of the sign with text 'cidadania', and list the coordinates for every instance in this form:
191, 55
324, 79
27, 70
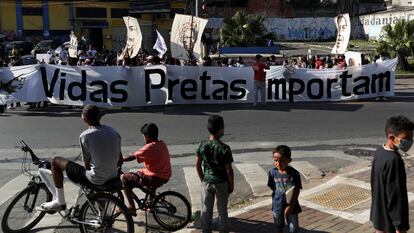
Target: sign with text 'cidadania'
160, 85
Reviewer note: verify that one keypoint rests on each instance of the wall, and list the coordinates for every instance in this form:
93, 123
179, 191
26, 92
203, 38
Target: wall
370, 26
302, 28
323, 28
8, 16
295, 29
59, 16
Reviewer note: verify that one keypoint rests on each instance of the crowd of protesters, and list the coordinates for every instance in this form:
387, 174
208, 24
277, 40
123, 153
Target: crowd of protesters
90, 56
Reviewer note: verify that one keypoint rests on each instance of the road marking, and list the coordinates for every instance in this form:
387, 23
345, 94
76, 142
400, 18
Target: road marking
308, 170
12, 187
256, 177
194, 187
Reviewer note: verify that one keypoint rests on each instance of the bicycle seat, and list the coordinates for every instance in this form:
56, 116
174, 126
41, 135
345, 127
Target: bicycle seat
111, 185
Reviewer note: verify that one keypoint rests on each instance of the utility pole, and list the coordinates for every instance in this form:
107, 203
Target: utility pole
197, 7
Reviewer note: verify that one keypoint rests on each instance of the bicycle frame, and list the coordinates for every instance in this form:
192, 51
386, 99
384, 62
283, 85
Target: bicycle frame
43, 171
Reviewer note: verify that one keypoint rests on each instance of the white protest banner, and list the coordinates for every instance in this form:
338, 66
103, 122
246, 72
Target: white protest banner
134, 37
160, 85
343, 26
160, 45
73, 45
186, 35
43, 57
353, 58
356, 82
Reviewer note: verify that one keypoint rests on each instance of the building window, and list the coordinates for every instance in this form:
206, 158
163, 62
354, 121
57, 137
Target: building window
88, 12
36, 11
119, 13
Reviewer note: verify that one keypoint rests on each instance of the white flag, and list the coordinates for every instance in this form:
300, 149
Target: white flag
343, 25
186, 35
134, 37
160, 45
73, 45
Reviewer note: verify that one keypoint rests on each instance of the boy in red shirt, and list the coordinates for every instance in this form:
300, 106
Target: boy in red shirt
157, 165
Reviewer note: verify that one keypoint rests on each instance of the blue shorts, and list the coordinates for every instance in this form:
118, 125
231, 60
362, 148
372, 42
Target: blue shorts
292, 222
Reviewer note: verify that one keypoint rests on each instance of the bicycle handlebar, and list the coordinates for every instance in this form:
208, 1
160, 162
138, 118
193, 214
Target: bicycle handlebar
36, 160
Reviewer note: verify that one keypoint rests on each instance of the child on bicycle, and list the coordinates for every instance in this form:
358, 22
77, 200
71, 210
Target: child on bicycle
285, 183
157, 165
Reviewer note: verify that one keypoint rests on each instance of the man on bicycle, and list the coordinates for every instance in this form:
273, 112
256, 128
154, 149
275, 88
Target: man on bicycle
157, 165
101, 153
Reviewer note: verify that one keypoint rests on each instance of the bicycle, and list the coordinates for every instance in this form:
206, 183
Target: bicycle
97, 214
170, 209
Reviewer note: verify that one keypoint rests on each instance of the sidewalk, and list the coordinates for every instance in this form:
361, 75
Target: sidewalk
350, 213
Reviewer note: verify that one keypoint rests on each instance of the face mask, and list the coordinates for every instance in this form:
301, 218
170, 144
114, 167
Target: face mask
404, 145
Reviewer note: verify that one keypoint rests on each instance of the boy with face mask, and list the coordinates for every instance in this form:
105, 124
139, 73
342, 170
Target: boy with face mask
214, 159
389, 207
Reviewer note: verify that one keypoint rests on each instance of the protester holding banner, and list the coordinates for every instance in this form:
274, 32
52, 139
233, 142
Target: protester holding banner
63, 55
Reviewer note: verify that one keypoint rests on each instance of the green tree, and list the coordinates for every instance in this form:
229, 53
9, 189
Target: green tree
398, 41
243, 30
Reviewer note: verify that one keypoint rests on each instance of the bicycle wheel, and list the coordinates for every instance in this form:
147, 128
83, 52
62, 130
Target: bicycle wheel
103, 212
171, 210
21, 215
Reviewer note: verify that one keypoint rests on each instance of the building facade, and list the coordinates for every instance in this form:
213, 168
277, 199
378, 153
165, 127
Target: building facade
99, 22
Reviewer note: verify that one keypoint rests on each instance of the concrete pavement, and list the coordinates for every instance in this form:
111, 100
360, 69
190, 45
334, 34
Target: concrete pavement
350, 214
322, 170
250, 168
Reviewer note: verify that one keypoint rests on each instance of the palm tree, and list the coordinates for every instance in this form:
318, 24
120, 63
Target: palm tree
398, 41
244, 30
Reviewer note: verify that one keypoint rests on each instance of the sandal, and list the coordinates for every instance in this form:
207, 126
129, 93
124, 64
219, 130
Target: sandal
132, 212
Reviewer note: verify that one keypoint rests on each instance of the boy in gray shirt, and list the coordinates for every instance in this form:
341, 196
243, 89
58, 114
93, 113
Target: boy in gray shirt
101, 152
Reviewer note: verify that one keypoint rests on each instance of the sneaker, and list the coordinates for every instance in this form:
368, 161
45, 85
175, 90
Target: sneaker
51, 207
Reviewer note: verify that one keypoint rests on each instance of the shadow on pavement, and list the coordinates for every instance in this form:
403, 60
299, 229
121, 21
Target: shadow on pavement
207, 109
248, 225
69, 228
311, 231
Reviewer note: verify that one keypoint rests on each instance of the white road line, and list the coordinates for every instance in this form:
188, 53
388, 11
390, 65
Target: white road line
194, 187
12, 187
308, 170
256, 177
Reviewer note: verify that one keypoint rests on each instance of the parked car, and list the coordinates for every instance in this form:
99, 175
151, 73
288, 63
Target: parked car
44, 46
24, 47
28, 59
59, 49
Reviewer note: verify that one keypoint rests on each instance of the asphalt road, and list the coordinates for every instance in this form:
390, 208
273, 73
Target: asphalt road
60, 127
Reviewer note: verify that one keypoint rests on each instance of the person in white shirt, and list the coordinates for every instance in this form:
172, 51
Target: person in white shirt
381, 58
63, 55
91, 52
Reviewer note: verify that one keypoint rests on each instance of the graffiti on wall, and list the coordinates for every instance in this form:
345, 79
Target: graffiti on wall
371, 25
294, 29
302, 28
323, 28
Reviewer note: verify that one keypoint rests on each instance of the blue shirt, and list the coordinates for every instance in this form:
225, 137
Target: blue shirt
279, 184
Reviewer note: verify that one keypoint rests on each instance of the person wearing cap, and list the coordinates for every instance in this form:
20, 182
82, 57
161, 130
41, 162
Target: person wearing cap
259, 80
101, 154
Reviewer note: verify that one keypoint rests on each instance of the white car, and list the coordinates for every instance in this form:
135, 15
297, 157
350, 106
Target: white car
59, 49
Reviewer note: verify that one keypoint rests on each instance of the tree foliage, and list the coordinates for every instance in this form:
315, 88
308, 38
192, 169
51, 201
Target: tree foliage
398, 41
244, 30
